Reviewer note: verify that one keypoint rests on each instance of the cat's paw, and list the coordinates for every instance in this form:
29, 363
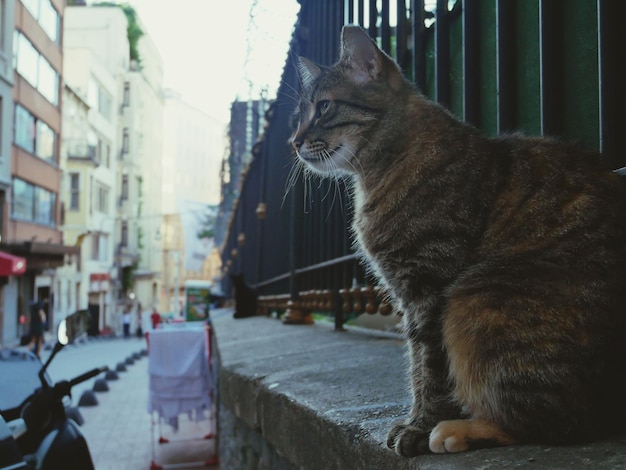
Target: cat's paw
446, 438
460, 435
408, 440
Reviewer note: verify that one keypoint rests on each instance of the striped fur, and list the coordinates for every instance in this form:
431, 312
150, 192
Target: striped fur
506, 255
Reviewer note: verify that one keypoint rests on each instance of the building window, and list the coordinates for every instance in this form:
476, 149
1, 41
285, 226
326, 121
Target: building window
104, 104
32, 203
35, 69
124, 187
99, 246
126, 94
34, 135
104, 153
46, 15
23, 200
24, 129
102, 202
48, 82
49, 20
74, 191
45, 142
44, 206
99, 99
26, 58
125, 140
124, 234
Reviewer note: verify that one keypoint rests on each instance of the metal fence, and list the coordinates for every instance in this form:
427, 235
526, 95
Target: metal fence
549, 67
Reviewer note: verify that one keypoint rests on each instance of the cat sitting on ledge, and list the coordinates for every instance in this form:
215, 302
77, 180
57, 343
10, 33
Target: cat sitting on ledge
506, 256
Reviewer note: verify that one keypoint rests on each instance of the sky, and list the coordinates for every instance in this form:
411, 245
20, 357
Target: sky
213, 49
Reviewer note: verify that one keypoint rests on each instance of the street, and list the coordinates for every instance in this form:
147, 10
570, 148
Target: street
118, 430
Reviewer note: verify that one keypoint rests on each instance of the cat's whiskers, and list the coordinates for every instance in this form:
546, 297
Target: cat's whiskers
331, 163
350, 161
295, 96
338, 176
307, 190
292, 178
296, 92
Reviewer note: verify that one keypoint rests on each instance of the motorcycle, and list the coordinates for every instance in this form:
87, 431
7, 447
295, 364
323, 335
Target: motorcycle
37, 432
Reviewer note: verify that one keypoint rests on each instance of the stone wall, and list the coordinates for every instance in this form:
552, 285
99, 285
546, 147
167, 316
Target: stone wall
307, 397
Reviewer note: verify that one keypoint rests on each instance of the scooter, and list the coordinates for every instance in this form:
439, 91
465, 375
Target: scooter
37, 433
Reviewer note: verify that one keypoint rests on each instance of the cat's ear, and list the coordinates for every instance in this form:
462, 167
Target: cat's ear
308, 72
366, 61
360, 53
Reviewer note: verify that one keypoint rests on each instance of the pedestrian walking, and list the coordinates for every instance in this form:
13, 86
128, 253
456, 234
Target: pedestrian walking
156, 318
139, 331
37, 322
126, 320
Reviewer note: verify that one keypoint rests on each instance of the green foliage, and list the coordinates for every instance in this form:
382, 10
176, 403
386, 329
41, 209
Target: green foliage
134, 32
128, 277
207, 228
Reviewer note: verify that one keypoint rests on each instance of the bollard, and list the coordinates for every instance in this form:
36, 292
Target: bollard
88, 398
100, 385
111, 375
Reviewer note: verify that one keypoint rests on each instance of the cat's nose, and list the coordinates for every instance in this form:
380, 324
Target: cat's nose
296, 144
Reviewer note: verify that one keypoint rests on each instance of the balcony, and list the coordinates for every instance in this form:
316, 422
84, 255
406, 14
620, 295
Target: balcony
82, 151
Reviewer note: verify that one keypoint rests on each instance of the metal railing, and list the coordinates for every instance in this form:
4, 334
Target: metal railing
548, 67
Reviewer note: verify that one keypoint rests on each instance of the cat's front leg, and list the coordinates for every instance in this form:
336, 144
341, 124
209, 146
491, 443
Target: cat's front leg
410, 437
430, 388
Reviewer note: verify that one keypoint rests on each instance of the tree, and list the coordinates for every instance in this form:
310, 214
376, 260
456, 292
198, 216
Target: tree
207, 223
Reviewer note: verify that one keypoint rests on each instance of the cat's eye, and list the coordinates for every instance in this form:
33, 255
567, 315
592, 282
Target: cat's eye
322, 107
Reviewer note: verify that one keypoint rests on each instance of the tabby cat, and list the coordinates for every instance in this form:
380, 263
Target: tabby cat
506, 256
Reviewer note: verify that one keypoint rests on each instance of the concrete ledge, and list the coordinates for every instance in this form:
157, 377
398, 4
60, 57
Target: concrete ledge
308, 397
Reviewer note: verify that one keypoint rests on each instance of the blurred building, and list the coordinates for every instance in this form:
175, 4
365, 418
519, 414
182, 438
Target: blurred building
117, 164
194, 145
34, 212
246, 121
8, 280
143, 129
96, 62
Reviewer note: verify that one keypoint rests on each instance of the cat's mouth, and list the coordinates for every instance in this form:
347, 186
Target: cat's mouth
337, 160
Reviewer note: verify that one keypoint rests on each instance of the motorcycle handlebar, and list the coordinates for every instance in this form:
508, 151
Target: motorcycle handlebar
88, 375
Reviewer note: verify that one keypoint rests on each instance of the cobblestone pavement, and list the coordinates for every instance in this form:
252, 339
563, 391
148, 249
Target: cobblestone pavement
119, 428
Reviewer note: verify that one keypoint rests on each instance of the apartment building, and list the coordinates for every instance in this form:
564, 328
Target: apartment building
97, 64
120, 157
89, 144
34, 212
142, 122
8, 280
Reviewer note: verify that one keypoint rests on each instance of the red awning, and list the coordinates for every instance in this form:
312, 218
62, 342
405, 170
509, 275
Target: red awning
11, 265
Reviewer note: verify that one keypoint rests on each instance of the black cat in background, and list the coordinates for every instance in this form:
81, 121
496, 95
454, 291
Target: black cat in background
245, 297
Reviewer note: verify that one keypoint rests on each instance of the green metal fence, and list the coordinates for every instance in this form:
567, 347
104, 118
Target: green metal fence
541, 67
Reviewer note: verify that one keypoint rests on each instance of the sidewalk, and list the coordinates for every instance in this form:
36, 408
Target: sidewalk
118, 429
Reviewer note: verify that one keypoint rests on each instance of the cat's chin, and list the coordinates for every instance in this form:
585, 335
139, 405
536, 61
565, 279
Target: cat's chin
335, 163
326, 168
